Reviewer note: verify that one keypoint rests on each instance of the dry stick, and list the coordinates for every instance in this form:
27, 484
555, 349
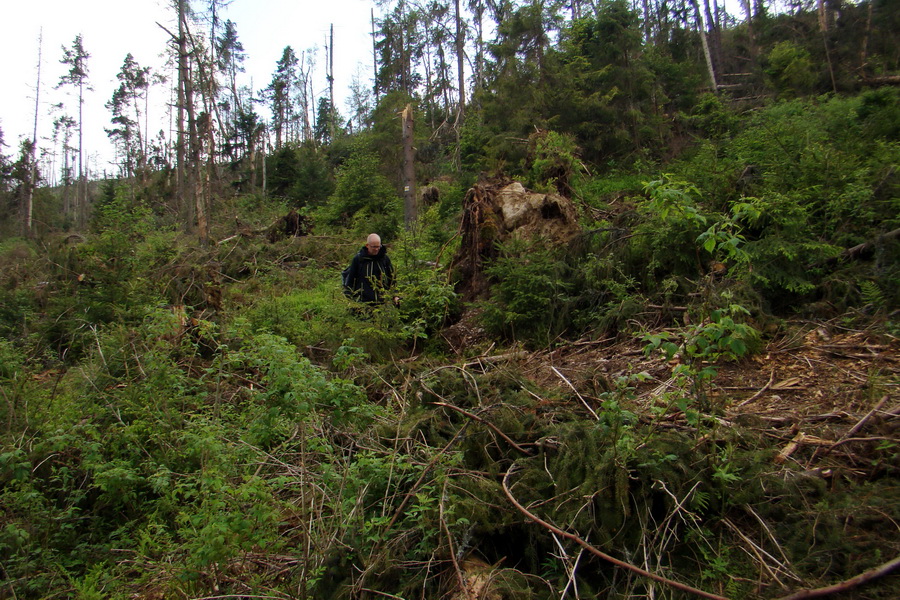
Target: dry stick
760, 553
421, 478
238, 596
849, 434
569, 536
760, 392
787, 562
493, 427
583, 401
843, 586
459, 574
862, 421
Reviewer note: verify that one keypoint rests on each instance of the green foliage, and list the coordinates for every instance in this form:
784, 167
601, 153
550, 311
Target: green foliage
717, 337
553, 161
363, 199
790, 69
712, 117
300, 174
527, 292
673, 222
879, 113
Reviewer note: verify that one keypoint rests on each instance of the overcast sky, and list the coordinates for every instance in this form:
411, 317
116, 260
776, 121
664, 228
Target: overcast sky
111, 29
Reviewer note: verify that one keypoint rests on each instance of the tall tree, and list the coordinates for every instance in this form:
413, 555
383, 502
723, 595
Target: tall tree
329, 62
410, 212
125, 105
29, 196
5, 167
188, 145
279, 93
477, 8
76, 58
360, 104
63, 131
460, 39
398, 45
230, 57
24, 172
707, 53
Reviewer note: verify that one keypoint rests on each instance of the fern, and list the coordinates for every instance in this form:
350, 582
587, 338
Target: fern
871, 294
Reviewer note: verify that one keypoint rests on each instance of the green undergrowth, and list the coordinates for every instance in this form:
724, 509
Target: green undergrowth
186, 421
266, 451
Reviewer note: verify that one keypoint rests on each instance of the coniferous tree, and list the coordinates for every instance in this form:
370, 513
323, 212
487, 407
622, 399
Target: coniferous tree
398, 47
125, 105
76, 58
63, 131
278, 93
230, 56
28, 209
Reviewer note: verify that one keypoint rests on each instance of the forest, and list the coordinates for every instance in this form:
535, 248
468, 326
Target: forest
647, 257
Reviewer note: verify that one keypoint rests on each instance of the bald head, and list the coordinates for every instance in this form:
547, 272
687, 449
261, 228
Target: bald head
373, 244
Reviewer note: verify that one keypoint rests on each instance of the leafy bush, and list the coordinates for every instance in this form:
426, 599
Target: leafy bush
363, 198
790, 69
528, 292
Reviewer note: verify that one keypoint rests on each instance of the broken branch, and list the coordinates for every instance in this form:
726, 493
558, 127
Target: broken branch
569, 536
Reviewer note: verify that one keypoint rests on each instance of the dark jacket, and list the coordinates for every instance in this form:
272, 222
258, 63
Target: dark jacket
369, 276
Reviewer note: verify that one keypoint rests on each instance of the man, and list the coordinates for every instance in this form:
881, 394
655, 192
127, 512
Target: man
370, 273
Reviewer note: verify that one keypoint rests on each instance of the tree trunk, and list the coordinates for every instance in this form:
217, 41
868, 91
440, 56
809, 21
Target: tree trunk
751, 38
265, 150
702, 29
648, 22
185, 207
460, 63
81, 187
374, 57
863, 55
29, 195
409, 169
823, 15
479, 45
331, 114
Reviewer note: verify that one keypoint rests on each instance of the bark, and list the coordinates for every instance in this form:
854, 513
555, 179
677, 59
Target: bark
648, 23
409, 169
180, 172
702, 29
29, 196
751, 37
374, 56
712, 31
849, 584
823, 15
331, 115
864, 51
460, 63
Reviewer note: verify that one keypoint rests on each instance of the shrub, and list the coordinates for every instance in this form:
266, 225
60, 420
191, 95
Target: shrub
528, 292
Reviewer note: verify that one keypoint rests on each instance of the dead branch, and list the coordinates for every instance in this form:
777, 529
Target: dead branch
843, 586
862, 421
761, 555
497, 358
583, 401
490, 425
421, 478
569, 536
761, 391
460, 578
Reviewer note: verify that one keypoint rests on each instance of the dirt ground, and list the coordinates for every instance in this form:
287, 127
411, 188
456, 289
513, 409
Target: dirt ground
823, 394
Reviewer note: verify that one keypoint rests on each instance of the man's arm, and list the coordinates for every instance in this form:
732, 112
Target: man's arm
351, 289
388, 273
